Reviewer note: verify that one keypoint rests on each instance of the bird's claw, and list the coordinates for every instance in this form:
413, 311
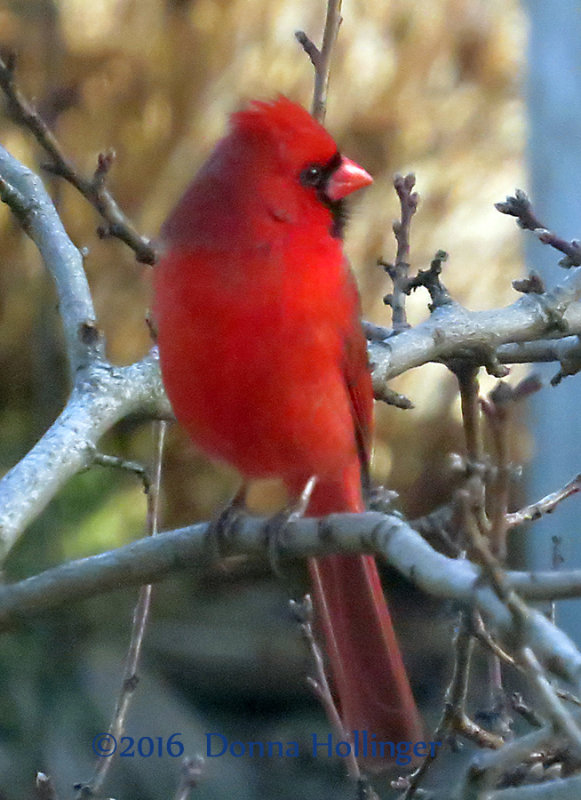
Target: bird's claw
276, 527
220, 528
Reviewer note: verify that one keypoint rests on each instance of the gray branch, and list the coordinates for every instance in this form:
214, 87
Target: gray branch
62, 259
453, 332
104, 396
153, 559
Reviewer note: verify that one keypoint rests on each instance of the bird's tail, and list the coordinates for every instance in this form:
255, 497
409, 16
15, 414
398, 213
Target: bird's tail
367, 670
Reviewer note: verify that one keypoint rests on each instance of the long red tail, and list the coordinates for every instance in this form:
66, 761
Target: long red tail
366, 664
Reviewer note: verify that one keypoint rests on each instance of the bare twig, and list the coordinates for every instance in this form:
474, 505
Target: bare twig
548, 700
488, 767
44, 787
520, 206
321, 59
467, 376
545, 694
480, 632
560, 789
17, 203
454, 720
568, 697
526, 712
472, 497
303, 613
399, 270
93, 189
566, 350
191, 773
544, 506
430, 280
115, 462
23, 191
481, 333
393, 398
533, 284
497, 408
140, 617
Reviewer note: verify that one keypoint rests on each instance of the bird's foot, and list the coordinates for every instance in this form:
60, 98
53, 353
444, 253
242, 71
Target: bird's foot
221, 527
276, 525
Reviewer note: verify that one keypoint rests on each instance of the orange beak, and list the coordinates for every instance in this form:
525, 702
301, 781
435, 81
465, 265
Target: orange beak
347, 178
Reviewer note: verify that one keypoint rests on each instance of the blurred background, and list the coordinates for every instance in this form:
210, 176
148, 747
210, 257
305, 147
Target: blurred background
436, 88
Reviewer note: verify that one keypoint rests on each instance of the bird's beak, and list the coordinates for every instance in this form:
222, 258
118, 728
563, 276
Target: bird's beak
347, 178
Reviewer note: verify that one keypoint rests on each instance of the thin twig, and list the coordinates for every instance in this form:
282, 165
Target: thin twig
115, 462
489, 766
44, 787
455, 716
549, 701
497, 409
319, 684
532, 284
467, 376
476, 524
480, 632
393, 398
520, 206
430, 280
16, 202
556, 562
566, 350
191, 772
544, 691
399, 270
544, 506
474, 494
526, 712
321, 59
140, 617
93, 189
454, 719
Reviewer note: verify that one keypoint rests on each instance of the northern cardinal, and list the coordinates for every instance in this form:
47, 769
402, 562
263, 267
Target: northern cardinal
264, 360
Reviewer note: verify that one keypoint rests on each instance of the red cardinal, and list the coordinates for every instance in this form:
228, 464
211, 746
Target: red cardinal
265, 364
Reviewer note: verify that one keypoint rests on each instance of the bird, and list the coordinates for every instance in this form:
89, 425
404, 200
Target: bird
264, 361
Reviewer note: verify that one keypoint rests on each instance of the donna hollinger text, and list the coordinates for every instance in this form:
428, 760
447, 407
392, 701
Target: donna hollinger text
363, 744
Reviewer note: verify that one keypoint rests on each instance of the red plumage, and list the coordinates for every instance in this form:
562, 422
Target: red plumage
264, 361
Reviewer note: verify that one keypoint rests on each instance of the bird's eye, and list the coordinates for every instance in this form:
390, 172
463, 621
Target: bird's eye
312, 176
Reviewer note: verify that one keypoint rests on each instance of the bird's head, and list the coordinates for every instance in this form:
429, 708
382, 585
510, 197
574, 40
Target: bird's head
303, 149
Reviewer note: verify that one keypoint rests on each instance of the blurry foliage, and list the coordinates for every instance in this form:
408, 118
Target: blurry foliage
434, 88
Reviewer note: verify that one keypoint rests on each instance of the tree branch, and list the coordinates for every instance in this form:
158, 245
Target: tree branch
35, 211
321, 59
544, 506
452, 331
520, 206
93, 189
155, 558
398, 271
104, 396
